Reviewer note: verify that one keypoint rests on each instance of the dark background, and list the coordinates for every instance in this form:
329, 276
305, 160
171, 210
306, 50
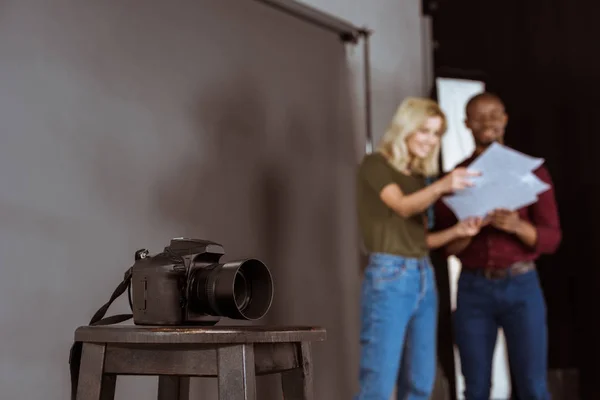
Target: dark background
541, 57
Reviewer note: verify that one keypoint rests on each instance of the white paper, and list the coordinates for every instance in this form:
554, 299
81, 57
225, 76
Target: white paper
536, 183
506, 181
499, 160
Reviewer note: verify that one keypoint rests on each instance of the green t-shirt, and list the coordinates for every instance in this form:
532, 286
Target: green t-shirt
382, 229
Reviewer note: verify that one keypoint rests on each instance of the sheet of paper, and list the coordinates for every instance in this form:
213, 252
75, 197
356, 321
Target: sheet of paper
499, 160
518, 195
507, 181
461, 207
536, 183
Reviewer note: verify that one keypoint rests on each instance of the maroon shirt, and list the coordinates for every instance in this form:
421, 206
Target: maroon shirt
493, 248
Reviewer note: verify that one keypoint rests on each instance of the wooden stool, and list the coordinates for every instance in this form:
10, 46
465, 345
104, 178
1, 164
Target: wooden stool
235, 355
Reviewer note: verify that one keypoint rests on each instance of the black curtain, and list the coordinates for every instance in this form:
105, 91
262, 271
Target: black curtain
543, 59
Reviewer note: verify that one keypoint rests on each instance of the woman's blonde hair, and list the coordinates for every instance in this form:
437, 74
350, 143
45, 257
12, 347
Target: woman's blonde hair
410, 116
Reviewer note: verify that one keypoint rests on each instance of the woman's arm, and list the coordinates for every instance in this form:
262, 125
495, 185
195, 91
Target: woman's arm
457, 237
409, 205
415, 203
439, 239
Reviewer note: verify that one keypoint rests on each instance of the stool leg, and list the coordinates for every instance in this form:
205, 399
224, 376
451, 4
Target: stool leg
93, 384
173, 388
235, 367
297, 384
109, 384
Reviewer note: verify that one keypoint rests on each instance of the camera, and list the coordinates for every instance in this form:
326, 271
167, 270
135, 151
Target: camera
187, 284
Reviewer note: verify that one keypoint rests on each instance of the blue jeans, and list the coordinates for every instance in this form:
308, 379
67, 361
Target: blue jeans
399, 328
515, 304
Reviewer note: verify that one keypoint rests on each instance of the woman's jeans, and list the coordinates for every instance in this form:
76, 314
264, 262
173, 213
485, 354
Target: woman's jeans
399, 328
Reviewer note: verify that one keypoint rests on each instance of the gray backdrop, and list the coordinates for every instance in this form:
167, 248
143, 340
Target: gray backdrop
124, 123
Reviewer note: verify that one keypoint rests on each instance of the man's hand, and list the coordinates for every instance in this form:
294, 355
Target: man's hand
470, 226
506, 220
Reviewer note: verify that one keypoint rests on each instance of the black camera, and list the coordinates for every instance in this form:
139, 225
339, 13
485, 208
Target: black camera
187, 285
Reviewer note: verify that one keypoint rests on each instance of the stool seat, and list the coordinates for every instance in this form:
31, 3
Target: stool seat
195, 334
233, 354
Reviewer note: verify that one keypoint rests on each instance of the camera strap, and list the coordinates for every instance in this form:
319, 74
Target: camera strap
98, 319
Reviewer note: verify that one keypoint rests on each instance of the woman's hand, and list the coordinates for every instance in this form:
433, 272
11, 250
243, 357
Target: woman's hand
458, 179
458, 236
470, 227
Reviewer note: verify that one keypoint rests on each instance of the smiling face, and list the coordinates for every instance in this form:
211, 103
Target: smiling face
412, 142
487, 119
423, 141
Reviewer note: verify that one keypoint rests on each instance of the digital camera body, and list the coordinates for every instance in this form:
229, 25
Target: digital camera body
187, 285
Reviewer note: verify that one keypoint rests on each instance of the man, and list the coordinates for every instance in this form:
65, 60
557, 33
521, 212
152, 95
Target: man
498, 286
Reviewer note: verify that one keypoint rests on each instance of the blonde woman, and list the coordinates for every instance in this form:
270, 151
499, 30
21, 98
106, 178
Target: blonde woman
399, 295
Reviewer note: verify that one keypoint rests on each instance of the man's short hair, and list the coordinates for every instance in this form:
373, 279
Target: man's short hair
481, 96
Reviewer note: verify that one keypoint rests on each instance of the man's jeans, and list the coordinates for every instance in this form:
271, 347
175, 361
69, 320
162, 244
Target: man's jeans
516, 304
398, 333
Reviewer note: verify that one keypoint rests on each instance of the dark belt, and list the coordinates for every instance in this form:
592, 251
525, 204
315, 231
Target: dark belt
518, 268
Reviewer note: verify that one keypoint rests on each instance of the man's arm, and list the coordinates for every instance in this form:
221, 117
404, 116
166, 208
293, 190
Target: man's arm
543, 233
527, 233
545, 218
510, 222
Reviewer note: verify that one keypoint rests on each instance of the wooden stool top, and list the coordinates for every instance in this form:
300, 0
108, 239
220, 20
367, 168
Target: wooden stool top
197, 335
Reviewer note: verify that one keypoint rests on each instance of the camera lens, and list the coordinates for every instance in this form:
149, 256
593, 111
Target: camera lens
241, 291
237, 290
